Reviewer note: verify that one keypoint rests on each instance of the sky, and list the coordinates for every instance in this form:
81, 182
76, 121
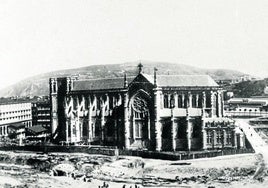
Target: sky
38, 36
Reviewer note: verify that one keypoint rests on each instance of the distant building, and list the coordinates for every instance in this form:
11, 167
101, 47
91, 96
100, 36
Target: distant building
41, 113
13, 116
154, 112
243, 78
247, 107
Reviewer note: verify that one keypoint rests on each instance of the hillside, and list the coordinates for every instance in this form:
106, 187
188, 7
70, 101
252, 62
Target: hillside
249, 88
38, 85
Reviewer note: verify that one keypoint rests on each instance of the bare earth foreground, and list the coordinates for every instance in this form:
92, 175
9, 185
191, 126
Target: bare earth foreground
22, 170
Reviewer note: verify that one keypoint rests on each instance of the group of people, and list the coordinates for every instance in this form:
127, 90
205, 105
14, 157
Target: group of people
106, 185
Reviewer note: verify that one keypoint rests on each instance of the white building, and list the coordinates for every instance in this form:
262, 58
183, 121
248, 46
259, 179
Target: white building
247, 107
12, 113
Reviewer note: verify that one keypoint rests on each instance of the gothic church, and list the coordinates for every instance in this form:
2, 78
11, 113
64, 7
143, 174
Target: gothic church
149, 112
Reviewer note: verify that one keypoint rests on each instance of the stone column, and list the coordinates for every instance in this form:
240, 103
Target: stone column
182, 101
214, 141
107, 102
95, 102
83, 105
158, 125
83, 119
197, 100
212, 104
81, 124
90, 134
219, 104
224, 138
175, 100
174, 132
77, 126
161, 102
126, 121
114, 102
115, 132
149, 127
71, 130
190, 100
133, 126
189, 133
67, 130
242, 144
6, 131
169, 97
204, 135
119, 100
102, 119
203, 101
70, 114
235, 139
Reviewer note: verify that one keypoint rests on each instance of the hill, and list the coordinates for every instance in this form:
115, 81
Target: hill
249, 88
38, 85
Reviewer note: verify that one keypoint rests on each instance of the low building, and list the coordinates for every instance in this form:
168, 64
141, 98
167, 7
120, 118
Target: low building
12, 114
37, 132
151, 112
247, 107
16, 130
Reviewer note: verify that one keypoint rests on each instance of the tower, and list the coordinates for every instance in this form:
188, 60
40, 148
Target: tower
53, 86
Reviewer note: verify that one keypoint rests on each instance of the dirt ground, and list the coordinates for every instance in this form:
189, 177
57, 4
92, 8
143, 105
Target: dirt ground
224, 171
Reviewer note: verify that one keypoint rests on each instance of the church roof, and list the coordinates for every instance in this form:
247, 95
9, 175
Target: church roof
99, 84
185, 81
162, 81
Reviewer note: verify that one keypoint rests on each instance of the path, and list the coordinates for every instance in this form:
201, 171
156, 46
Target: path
253, 137
258, 144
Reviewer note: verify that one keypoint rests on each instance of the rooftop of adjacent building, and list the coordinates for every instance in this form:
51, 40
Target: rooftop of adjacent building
17, 125
257, 100
37, 129
19, 100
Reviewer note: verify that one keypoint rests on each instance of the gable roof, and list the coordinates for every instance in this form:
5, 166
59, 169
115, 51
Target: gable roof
37, 129
162, 81
143, 78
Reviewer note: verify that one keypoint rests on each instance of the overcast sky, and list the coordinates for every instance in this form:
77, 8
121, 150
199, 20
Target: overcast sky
42, 36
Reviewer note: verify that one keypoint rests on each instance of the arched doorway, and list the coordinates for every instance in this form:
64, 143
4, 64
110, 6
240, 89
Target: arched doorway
140, 120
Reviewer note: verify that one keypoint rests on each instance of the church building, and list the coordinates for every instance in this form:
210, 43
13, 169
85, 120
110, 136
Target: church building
149, 112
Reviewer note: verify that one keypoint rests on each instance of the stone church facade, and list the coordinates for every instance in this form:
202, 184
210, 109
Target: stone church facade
152, 112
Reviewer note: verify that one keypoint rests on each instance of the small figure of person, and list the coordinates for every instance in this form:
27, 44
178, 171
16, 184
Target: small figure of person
260, 170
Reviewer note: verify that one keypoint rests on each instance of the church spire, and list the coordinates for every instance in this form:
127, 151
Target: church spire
125, 80
155, 80
140, 66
